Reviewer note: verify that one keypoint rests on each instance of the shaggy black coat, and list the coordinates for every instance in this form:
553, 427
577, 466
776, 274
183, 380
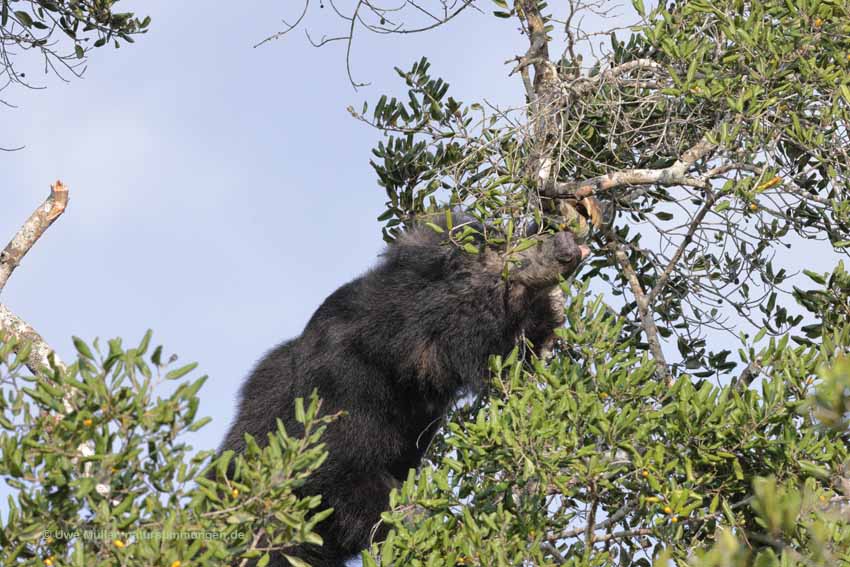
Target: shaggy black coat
393, 349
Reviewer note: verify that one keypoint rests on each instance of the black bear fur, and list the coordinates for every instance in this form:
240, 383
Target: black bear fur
393, 348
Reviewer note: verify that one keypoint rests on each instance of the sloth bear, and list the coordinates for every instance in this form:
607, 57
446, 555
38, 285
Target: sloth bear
392, 349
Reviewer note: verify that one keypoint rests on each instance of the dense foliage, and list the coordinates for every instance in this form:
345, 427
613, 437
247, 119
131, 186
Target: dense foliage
591, 461
141, 496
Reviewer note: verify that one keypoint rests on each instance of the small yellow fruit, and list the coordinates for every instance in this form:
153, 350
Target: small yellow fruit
668, 510
754, 207
644, 474
234, 492
119, 544
674, 519
49, 561
175, 563
87, 422
818, 22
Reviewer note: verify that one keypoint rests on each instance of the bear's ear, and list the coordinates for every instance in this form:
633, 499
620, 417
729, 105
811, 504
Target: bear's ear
421, 250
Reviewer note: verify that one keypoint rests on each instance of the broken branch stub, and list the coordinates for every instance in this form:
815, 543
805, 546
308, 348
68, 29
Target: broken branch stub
38, 222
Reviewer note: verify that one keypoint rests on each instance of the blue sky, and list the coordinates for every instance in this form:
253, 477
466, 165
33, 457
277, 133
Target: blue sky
218, 192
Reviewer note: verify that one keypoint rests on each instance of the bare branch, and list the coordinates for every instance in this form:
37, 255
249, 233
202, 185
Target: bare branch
39, 360
374, 18
623, 534
32, 230
26, 237
289, 27
692, 228
672, 175
553, 551
647, 322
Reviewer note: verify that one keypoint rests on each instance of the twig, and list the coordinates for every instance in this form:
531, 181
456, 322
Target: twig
610, 521
710, 197
553, 551
254, 544
646, 319
32, 230
289, 28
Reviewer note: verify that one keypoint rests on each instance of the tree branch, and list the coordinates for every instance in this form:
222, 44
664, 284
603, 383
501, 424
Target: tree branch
748, 375
545, 87
646, 319
538, 49
553, 551
32, 230
10, 258
710, 197
673, 175
39, 360
42, 359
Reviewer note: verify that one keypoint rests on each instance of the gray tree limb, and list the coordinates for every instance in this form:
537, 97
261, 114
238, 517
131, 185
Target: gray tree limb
39, 221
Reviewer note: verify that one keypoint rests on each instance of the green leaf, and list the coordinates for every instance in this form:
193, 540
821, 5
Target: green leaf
82, 348
180, 372
200, 423
143, 346
816, 277
639, 7
24, 18
294, 561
